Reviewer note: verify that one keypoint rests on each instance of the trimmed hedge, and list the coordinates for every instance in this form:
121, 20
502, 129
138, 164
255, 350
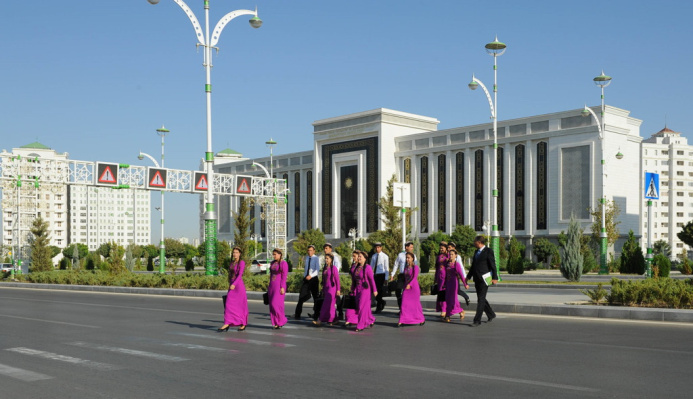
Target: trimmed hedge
653, 292
180, 281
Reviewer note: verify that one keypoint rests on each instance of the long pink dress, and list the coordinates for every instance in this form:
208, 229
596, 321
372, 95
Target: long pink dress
411, 312
439, 278
452, 303
350, 315
363, 286
236, 311
330, 286
278, 271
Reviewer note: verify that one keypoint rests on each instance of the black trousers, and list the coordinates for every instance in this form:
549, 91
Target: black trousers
482, 305
379, 283
309, 289
398, 290
461, 292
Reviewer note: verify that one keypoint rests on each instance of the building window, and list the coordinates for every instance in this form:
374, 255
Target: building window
309, 199
297, 203
478, 190
424, 194
499, 185
679, 152
442, 185
679, 163
459, 188
407, 170
665, 152
575, 182
542, 164
520, 187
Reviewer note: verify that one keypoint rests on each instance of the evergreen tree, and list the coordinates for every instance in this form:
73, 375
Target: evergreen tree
612, 211
571, 266
463, 236
686, 234
75, 257
661, 247
516, 256
115, 261
391, 235
543, 249
632, 259
129, 259
40, 252
241, 234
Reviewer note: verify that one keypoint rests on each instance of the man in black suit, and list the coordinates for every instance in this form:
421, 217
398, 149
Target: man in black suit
483, 262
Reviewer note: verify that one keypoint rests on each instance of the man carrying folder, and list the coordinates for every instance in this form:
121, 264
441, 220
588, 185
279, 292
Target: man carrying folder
484, 273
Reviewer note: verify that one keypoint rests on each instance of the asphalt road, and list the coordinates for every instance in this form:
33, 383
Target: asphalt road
65, 344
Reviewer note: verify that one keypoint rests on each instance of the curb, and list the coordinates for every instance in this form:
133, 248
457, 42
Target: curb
594, 311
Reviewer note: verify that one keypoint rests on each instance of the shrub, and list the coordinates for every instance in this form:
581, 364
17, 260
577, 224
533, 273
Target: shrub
596, 295
659, 292
686, 266
64, 264
516, 260
661, 265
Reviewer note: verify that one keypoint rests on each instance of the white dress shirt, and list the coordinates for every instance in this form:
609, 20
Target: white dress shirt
380, 263
311, 266
464, 272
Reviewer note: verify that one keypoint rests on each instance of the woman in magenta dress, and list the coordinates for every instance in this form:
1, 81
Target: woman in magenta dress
439, 277
411, 312
363, 287
350, 315
277, 288
453, 273
330, 290
236, 310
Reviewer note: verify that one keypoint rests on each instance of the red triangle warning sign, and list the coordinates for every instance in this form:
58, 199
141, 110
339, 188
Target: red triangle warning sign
107, 176
202, 183
157, 180
243, 187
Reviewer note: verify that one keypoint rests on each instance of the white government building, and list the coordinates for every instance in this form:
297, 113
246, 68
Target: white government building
549, 169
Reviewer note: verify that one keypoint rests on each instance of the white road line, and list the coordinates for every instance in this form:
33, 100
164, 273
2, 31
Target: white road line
637, 348
49, 321
126, 351
67, 359
286, 335
498, 378
198, 347
21, 374
232, 339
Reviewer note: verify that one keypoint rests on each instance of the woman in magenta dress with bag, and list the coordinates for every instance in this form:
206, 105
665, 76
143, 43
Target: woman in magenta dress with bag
411, 312
277, 288
363, 287
439, 278
330, 290
236, 309
453, 273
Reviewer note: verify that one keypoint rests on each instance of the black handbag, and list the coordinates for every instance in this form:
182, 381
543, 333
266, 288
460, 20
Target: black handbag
348, 302
223, 299
434, 289
441, 296
391, 287
265, 298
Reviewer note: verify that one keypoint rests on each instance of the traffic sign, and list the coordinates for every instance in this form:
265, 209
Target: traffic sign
157, 178
244, 185
401, 195
652, 185
106, 174
201, 184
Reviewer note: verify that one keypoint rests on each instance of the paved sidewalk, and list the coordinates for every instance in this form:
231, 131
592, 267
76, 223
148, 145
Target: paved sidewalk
561, 301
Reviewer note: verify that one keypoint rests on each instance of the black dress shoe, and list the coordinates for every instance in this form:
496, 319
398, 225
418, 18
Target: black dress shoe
310, 315
467, 300
490, 319
475, 324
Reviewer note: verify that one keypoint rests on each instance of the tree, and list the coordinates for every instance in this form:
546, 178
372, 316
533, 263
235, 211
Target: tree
241, 234
661, 247
431, 247
40, 252
516, 256
571, 266
75, 257
391, 235
305, 238
612, 212
686, 234
632, 259
544, 249
54, 250
105, 249
115, 258
82, 249
463, 236
174, 248
129, 259
661, 266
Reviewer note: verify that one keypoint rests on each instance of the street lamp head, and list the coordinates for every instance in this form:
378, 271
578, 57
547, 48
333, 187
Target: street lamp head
140, 157
153, 2
495, 48
270, 142
162, 130
473, 84
585, 112
602, 80
255, 22
619, 155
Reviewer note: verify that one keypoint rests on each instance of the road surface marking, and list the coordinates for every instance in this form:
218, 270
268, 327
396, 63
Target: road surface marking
62, 358
198, 347
274, 334
498, 378
232, 339
49, 321
126, 351
21, 374
637, 348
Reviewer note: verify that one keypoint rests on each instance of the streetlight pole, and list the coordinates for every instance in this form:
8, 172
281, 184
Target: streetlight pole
496, 49
271, 242
162, 244
208, 43
602, 81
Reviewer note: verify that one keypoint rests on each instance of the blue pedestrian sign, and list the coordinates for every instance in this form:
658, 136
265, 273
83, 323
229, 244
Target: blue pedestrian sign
652, 185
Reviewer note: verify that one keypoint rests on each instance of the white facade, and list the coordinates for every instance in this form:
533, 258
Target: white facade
668, 154
550, 168
102, 214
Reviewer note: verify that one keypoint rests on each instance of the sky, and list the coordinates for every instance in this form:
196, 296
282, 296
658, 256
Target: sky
96, 79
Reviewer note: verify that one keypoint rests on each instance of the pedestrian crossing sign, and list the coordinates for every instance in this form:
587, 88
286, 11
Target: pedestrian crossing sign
106, 174
201, 182
652, 185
